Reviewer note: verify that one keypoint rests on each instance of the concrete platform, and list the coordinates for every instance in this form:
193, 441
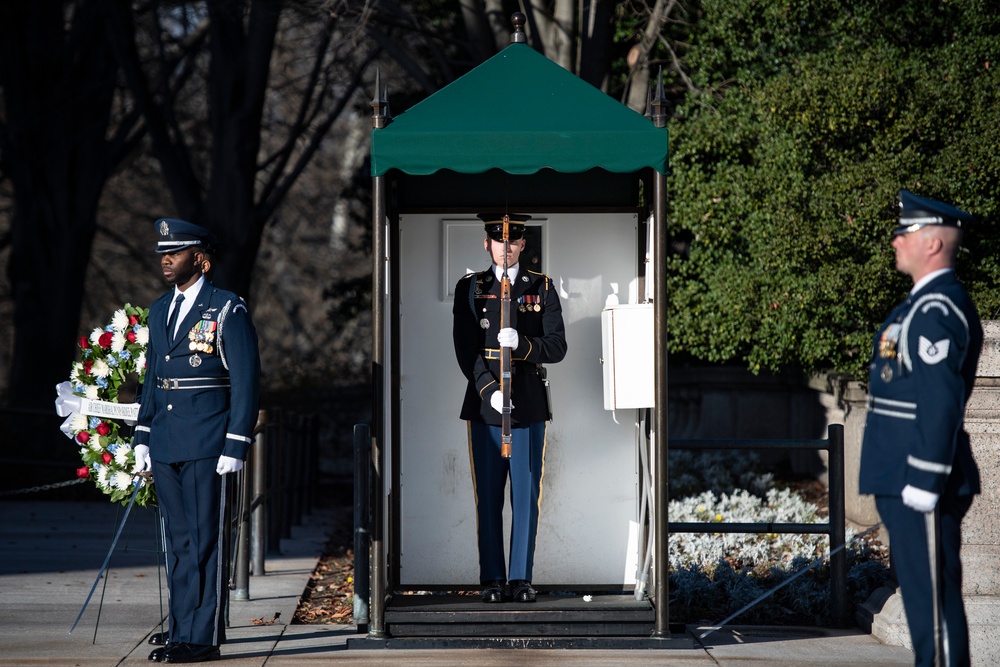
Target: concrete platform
50, 553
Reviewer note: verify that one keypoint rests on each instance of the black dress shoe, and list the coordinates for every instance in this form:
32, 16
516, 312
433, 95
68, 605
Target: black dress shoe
494, 591
159, 639
156, 655
184, 652
522, 591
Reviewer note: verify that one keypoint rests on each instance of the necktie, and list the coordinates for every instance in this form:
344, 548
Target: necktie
172, 319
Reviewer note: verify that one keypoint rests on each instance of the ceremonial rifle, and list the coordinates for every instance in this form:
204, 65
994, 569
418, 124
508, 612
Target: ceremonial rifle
505, 437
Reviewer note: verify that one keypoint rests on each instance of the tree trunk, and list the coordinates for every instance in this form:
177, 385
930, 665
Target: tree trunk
55, 153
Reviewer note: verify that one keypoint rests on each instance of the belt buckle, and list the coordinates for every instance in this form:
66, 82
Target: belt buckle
169, 383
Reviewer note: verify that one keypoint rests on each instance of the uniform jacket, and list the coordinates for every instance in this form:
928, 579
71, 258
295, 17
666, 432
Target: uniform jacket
923, 367
190, 424
536, 314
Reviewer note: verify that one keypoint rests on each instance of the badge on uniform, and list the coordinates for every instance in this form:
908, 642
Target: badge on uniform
888, 342
202, 337
886, 373
529, 302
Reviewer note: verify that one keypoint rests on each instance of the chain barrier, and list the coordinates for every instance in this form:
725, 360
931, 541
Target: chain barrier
43, 487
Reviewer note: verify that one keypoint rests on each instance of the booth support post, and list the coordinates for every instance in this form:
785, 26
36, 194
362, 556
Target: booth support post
661, 493
376, 630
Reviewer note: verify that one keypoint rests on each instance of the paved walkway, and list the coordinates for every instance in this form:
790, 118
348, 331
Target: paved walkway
50, 553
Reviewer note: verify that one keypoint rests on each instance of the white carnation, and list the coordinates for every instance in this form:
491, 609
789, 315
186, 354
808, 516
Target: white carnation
122, 480
79, 423
142, 336
100, 369
95, 335
119, 321
118, 341
121, 455
91, 391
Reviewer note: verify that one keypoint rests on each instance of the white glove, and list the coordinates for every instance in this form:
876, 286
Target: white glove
496, 402
918, 499
228, 464
142, 462
508, 338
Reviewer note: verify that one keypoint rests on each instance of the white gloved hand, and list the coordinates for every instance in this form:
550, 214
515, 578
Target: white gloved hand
918, 499
228, 464
496, 402
508, 337
142, 462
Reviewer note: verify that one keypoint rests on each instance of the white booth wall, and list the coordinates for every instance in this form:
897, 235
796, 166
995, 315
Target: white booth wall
587, 533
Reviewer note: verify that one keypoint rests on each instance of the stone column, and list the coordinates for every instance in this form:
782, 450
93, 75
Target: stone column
980, 530
859, 509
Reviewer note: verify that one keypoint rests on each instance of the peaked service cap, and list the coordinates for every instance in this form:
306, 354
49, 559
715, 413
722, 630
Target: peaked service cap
494, 225
180, 234
916, 212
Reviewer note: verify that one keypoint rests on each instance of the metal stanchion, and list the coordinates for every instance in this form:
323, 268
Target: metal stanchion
362, 482
276, 481
241, 574
258, 515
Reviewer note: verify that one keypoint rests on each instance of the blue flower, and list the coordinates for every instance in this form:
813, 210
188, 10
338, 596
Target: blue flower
86, 353
136, 327
113, 361
80, 388
113, 447
124, 355
93, 422
102, 383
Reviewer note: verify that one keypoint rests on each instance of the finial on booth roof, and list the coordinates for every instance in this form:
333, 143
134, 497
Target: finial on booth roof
518, 36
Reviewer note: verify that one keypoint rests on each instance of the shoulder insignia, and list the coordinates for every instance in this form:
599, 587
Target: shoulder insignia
932, 353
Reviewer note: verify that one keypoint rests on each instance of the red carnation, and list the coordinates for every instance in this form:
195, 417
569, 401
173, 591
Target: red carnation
83, 437
130, 336
87, 364
84, 343
83, 473
106, 457
133, 320
103, 428
105, 339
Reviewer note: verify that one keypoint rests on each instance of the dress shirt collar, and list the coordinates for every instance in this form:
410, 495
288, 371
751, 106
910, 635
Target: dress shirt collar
919, 285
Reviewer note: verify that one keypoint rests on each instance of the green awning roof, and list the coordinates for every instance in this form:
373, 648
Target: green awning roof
519, 112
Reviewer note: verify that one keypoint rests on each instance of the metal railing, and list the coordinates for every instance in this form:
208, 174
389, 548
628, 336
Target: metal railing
835, 526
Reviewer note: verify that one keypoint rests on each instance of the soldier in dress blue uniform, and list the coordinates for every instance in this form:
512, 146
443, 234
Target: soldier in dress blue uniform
195, 425
536, 336
916, 458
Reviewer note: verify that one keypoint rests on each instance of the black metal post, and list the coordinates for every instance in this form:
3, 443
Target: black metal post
661, 491
241, 502
377, 630
258, 516
838, 519
362, 482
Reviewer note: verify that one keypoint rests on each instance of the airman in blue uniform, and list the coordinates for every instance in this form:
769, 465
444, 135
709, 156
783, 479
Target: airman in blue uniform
195, 425
916, 458
536, 336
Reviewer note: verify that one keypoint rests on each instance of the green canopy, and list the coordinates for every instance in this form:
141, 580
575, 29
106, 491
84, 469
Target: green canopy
518, 112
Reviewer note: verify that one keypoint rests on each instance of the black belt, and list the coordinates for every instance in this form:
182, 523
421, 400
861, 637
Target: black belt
493, 354
192, 383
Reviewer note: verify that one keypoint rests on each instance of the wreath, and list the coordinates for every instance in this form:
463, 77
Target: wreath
101, 395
